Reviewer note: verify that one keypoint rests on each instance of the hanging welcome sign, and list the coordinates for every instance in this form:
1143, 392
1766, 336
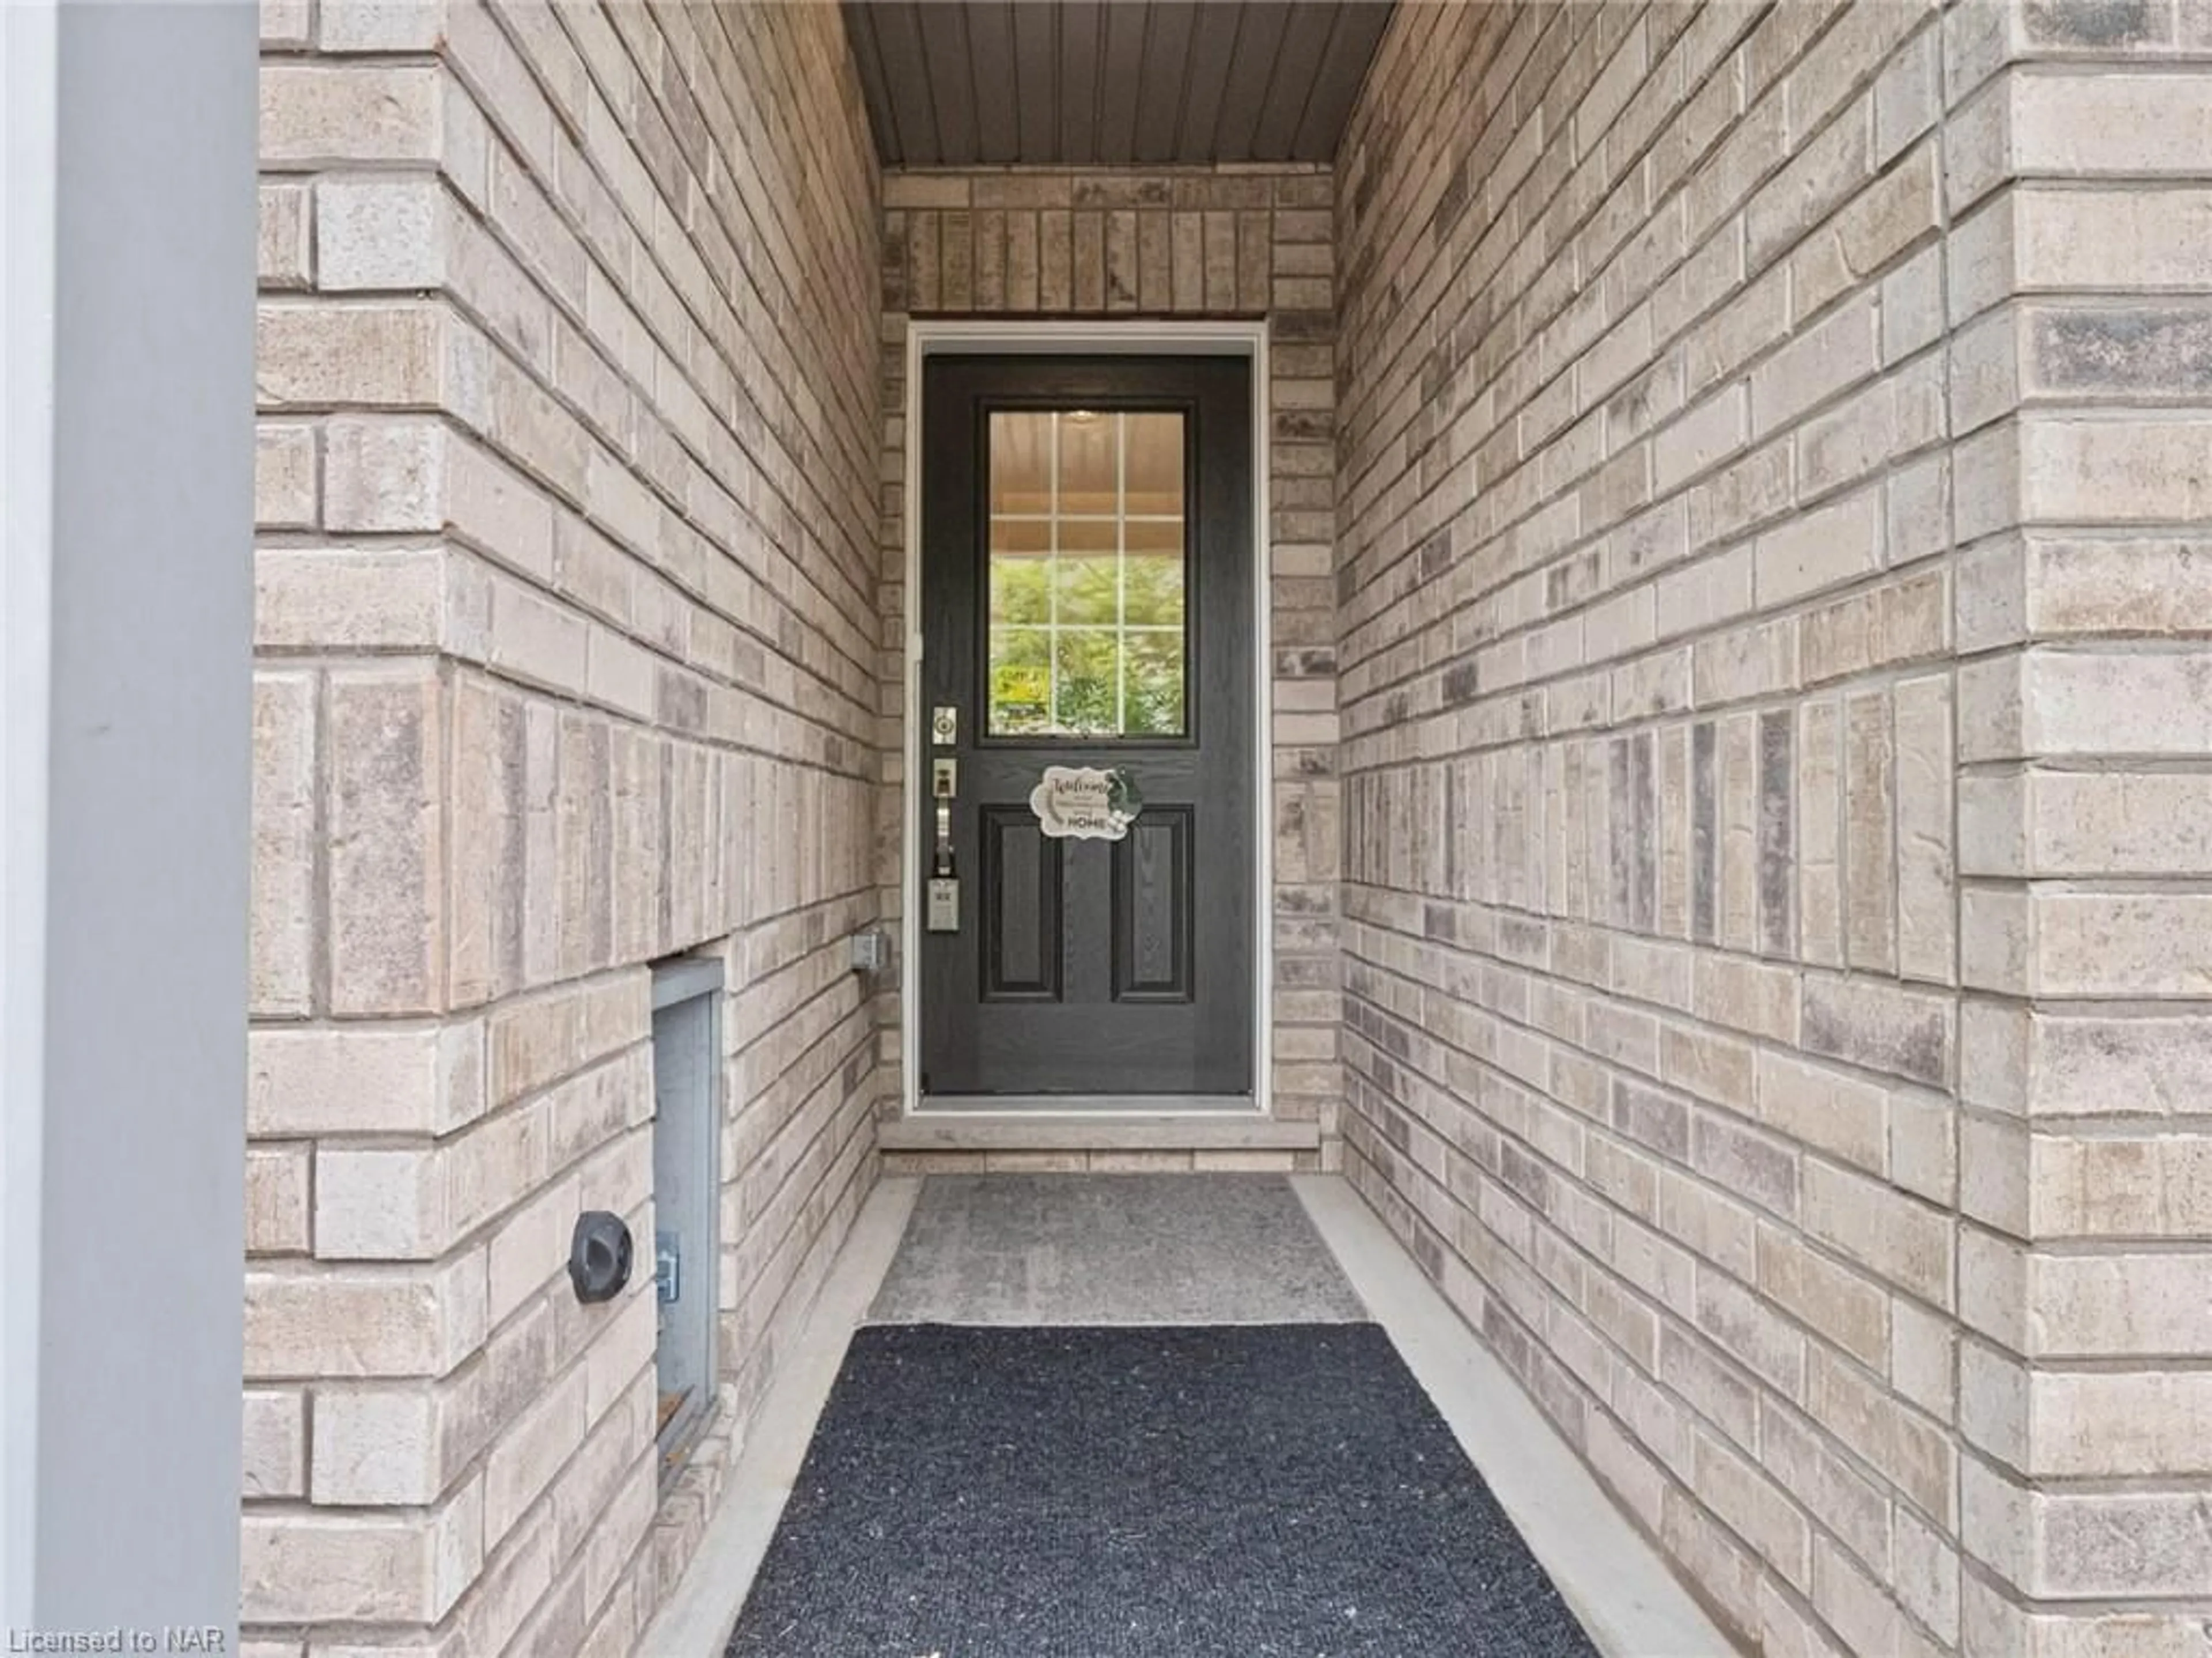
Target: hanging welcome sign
1084, 803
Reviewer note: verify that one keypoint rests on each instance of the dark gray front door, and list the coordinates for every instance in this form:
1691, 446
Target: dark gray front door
1086, 603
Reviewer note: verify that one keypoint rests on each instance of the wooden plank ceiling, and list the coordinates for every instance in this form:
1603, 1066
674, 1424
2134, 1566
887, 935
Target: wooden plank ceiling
1113, 83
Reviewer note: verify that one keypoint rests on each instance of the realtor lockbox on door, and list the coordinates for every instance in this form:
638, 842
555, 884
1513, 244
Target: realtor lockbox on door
943, 911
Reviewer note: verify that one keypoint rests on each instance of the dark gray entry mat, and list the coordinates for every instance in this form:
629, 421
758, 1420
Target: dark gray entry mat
1251, 1491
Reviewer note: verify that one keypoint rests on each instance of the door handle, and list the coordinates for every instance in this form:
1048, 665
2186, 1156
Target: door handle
942, 913
944, 784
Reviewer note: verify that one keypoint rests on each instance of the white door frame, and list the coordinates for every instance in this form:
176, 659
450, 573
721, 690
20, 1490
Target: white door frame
1248, 340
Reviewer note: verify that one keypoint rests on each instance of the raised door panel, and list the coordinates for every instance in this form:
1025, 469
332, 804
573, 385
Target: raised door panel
1021, 943
1153, 921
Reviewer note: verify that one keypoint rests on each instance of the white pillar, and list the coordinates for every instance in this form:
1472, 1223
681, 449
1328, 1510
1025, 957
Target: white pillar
125, 659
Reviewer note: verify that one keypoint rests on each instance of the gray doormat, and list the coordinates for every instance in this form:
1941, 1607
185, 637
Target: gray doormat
1112, 1249
1250, 1491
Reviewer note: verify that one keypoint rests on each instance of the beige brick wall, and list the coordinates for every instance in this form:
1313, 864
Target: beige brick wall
1646, 570
2081, 299
1039, 244
569, 659
1772, 483
1738, 488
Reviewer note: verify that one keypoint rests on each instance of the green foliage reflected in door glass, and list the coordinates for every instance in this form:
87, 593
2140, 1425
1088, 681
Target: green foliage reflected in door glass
1021, 681
1084, 680
1088, 573
1088, 589
1021, 591
1152, 589
1151, 695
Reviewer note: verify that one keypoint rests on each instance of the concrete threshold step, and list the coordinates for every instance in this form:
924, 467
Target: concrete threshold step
941, 1130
